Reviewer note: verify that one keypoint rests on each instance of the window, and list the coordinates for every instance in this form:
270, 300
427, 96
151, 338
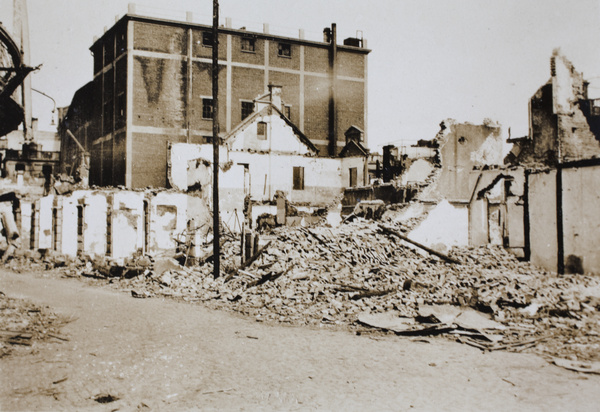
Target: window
287, 111
121, 43
353, 172
247, 109
120, 111
248, 44
207, 39
207, 108
298, 178
261, 131
284, 50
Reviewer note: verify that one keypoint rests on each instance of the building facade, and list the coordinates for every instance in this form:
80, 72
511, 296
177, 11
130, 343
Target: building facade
153, 86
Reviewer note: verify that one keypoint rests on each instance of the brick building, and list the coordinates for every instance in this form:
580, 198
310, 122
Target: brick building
152, 86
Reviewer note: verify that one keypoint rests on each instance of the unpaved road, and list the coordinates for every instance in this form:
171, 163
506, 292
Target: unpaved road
156, 354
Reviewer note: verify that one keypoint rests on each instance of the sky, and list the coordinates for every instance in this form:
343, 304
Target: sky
430, 60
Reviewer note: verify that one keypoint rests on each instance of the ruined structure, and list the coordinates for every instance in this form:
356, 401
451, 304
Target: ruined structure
152, 87
564, 124
266, 154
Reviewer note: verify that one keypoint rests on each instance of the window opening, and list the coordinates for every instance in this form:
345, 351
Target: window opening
284, 50
261, 130
247, 109
207, 39
298, 178
248, 44
207, 108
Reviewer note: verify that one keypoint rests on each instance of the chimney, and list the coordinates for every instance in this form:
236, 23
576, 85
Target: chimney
275, 92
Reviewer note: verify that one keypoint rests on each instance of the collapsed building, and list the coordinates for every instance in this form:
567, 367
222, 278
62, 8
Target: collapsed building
537, 202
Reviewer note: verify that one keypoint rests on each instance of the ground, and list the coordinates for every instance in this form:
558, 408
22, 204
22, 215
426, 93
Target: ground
160, 354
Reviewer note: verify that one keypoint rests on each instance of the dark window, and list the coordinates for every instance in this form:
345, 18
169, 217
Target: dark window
121, 40
207, 108
298, 178
207, 39
120, 111
248, 44
353, 176
20, 167
109, 50
284, 50
287, 111
247, 109
107, 117
261, 130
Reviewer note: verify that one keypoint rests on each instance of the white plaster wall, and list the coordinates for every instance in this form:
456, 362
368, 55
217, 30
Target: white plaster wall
127, 223
162, 230
346, 164
280, 137
25, 229
490, 151
69, 223
45, 222
180, 154
581, 197
562, 86
418, 172
445, 226
94, 237
542, 220
324, 178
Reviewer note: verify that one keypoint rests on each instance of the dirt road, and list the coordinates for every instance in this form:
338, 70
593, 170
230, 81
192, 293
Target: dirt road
155, 354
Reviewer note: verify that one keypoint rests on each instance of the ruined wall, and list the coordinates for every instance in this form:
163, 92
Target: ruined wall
116, 224
462, 148
280, 137
562, 121
446, 225
542, 146
569, 90
126, 230
323, 178
497, 206
542, 219
581, 221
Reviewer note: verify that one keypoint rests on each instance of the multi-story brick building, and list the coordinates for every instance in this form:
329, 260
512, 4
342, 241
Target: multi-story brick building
152, 86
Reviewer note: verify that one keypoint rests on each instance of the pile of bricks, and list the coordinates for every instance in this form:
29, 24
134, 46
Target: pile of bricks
322, 275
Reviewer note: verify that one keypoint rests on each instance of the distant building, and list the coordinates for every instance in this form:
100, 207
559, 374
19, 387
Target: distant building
266, 154
152, 87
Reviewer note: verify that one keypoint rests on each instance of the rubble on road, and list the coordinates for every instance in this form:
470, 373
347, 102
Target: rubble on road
364, 270
22, 324
337, 276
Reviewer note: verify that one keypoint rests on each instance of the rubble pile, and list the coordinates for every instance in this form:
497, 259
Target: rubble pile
332, 276
22, 324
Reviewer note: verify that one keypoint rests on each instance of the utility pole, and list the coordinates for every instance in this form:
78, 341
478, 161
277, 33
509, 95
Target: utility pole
215, 139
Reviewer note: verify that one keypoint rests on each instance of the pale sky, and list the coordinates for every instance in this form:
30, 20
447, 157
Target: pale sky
430, 59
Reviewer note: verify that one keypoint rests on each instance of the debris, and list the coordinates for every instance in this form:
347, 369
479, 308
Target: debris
586, 367
105, 398
255, 256
323, 275
419, 245
140, 295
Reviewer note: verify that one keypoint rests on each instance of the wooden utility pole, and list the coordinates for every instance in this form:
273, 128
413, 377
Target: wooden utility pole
215, 139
